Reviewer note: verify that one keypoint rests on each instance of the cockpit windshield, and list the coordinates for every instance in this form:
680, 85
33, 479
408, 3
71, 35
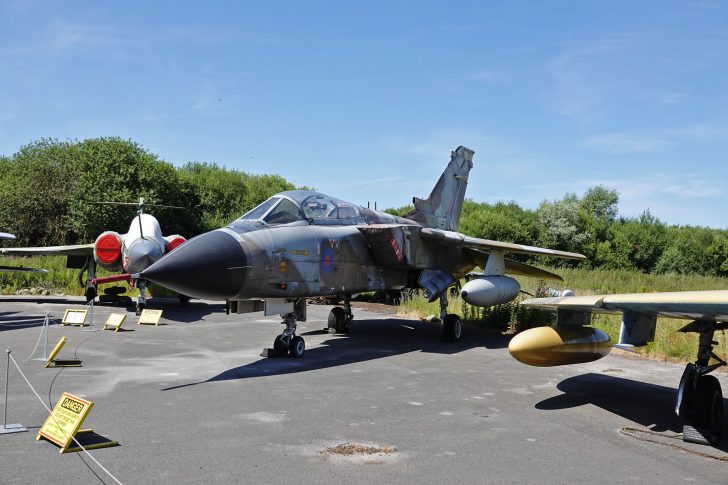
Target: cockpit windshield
276, 210
319, 206
283, 213
298, 205
260, 210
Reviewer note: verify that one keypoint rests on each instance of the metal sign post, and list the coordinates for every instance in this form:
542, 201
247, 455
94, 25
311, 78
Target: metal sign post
45, 343
91, 324
9, 428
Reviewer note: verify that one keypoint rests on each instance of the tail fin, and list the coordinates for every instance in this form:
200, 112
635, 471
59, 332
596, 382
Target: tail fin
442, 208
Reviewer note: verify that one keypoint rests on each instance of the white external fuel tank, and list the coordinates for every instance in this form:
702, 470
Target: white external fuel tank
486, 291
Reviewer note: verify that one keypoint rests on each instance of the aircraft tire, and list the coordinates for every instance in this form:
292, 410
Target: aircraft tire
298, 346
452, 328
90, 294
337, 320
280, 347
708, 407
139, 309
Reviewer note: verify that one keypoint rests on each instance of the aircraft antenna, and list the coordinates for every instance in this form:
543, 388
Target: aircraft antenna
139, 216
140, 208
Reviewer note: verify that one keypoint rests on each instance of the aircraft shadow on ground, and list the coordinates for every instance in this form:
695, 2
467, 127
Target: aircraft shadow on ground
174, 312
40, 300
368, 340
649, 405
10, 322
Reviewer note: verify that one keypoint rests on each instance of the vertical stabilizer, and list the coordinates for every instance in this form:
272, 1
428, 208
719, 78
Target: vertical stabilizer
442, 208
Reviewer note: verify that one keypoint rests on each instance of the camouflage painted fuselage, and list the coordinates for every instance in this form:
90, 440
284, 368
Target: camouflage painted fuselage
308, 259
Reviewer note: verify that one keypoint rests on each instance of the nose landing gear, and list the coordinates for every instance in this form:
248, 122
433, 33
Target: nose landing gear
288, 343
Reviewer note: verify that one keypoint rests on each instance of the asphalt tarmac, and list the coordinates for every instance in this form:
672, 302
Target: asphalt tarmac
192, 401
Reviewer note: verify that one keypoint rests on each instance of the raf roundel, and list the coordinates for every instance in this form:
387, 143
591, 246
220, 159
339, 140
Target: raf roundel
327, 259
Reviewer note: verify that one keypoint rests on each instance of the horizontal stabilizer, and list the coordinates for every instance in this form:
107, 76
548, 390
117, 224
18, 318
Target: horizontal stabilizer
517, 268
522, 269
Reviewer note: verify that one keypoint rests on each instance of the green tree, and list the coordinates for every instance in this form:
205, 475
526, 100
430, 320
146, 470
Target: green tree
503, 221
38, 186
559, 224
687, 252
225, 195
637, 243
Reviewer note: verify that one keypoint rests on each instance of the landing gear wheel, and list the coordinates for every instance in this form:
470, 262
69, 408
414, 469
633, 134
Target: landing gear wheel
452, 328
707, 409
90, 294
684, 406
297, 347
140, 308
337, 321
280, 346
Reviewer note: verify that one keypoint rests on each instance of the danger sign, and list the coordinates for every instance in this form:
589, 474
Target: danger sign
65, 420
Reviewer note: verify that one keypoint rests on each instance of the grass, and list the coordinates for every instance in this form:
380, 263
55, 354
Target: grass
668, 345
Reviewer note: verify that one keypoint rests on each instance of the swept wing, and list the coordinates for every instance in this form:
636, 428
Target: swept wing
74, 250
696, 305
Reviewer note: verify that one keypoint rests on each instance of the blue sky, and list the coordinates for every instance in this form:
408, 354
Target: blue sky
365, 100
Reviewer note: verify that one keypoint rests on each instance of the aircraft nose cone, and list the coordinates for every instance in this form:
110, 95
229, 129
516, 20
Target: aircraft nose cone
141, 254
210, 266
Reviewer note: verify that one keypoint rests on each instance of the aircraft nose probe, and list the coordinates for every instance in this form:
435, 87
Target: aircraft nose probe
209, 266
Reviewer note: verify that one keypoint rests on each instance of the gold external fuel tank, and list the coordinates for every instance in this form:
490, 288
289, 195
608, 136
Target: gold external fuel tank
560, 345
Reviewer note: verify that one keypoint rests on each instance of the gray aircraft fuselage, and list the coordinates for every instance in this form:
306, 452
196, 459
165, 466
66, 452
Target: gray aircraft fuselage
314, 245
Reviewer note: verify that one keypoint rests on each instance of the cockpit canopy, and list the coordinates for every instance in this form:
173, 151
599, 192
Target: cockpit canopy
301, 205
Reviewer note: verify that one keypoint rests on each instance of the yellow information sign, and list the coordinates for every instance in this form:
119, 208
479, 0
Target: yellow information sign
115, 321
65, 420
74, 317
150, 317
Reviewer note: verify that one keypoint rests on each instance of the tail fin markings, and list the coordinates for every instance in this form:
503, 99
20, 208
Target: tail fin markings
442, 208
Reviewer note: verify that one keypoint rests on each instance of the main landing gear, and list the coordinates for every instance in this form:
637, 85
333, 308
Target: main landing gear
141, 302
339, 318
452, 328
90, 290
699, 397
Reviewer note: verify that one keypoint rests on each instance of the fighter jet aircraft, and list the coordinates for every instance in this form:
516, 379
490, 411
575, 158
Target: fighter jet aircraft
699, 396
300, 243
129, 253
